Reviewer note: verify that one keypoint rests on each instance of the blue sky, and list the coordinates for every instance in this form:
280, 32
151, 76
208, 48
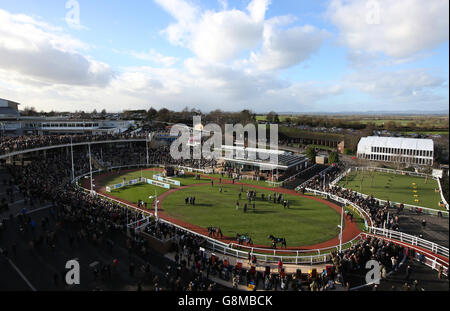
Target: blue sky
282, 55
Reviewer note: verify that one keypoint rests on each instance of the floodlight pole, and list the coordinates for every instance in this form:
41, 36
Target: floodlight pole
156, 205
90, 168
71, 152
340, 236
387, 221
146, 147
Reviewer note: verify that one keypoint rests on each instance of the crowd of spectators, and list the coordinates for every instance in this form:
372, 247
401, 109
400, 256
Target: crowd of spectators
10, 144
390, 258
90, 218
94, 218
189, 255
378, 213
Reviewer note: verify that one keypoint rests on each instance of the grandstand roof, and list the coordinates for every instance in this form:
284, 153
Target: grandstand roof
396, 142
284, 159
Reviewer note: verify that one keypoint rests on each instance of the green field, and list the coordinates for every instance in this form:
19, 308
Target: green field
262, 183
427, 132
142, 191
306, 222
395, 187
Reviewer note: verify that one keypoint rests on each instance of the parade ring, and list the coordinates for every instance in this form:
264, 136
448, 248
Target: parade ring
309, 224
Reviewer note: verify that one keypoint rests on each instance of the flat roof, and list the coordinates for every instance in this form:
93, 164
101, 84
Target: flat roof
284, 159
397, 142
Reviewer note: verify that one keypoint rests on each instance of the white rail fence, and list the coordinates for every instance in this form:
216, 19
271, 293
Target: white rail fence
313, 256
442, 194
395, 235
392, 171
413, 208
338, 179
367, 219
430, 260
411, 239
305, 257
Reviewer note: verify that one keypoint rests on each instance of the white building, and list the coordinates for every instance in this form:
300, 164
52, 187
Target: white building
414, 151
12, 123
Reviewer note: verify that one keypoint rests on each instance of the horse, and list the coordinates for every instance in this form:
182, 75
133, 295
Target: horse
244, 238
212, 231
275, 241
349, 215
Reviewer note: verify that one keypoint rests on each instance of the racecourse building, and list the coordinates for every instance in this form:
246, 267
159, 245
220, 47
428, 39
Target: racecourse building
13, 124
413, 151
285, 161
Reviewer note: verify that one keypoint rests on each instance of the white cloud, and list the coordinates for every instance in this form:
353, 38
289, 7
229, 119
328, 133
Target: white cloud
401, 88
185, 13
224, 35
215, 36
285, 48
155, 57
43, 67
41, 52
404, 27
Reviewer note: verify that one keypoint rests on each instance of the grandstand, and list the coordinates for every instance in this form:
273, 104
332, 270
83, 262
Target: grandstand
412, 151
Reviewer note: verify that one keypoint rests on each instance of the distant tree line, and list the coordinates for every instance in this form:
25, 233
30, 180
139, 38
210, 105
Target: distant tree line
186, 116
432, 123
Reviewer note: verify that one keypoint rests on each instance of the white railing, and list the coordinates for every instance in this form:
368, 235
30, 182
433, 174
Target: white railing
311, 257
395, 235
338, 179
429, 260
268, 255
301, 257
367, 219
392, 171
414, 208
191, 169
411, 239
442, 194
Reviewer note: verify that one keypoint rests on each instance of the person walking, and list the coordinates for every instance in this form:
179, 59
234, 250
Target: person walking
440, 272
408, 272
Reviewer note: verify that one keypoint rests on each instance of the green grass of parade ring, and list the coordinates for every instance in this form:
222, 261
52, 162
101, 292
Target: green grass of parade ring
262, 183
395, 187
142, 191
307, 221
